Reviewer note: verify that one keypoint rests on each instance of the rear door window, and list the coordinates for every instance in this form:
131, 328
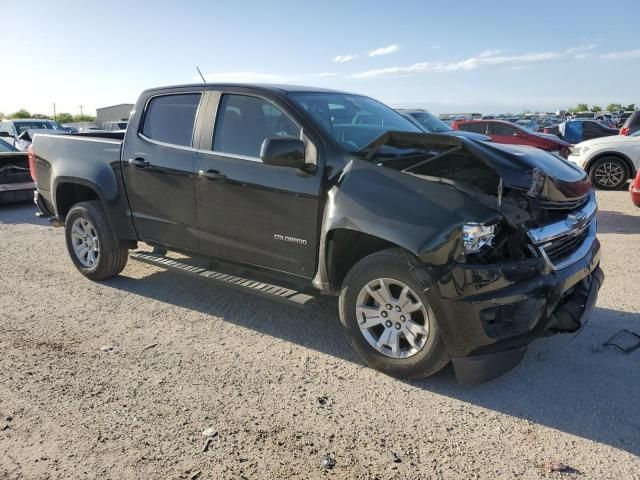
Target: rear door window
244, 122
502, 129
171, 118
475, 127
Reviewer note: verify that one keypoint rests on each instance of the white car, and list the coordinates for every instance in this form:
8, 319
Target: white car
609, 161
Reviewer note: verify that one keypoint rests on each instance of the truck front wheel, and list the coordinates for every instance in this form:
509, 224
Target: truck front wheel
388, 318
92, 245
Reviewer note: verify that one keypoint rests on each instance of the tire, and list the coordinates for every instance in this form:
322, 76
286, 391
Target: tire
86, 229
393, 265
609, 173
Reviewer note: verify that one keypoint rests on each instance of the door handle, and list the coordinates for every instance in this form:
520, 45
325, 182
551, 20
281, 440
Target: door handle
138, 162
211, 175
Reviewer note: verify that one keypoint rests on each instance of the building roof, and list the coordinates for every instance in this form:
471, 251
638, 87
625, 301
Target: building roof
118, 105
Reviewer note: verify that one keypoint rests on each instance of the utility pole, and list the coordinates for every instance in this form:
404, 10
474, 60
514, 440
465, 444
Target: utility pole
81, 114
54, 112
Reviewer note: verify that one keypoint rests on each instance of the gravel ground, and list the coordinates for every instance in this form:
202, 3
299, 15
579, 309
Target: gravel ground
281, 388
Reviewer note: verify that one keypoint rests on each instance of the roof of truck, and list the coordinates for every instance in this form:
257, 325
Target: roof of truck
263, 86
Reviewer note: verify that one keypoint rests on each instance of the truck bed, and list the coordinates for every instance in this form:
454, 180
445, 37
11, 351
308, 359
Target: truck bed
89, 157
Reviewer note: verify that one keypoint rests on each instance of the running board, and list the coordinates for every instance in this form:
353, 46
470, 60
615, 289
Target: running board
267, 290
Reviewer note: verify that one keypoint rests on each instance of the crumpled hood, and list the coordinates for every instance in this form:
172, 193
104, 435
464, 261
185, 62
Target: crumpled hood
540, 174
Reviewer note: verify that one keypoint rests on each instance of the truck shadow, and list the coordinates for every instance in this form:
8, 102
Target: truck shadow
22, 212
616, 222
569, 383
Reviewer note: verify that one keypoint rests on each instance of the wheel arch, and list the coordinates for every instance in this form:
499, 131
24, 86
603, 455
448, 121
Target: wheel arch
68, 192
627, 161
346, 247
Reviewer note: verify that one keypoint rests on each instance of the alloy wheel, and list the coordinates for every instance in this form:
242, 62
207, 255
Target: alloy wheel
392, 318
609, 174
86, 245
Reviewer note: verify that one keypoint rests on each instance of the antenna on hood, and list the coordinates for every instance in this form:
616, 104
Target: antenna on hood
201, 76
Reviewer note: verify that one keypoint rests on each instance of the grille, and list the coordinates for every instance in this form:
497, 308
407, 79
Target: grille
563, 206
559, 249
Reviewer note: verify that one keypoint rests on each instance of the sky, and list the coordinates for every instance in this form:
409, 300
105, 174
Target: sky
461, 56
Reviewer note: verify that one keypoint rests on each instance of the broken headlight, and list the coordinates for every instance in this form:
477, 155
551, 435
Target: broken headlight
476, 236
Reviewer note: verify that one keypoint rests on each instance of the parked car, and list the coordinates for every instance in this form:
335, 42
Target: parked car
609, 161
634, 189
632, 124
429, 123
553, 129
114, 126
18, 132
623, 118
513, 134
584, 115
528, 123
16, 183
576, 131
606, 120
439, 247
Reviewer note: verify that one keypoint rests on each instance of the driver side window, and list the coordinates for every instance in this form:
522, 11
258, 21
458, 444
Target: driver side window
244, 122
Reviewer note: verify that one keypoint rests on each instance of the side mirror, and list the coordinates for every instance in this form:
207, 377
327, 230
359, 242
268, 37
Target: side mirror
283, 152
518, 133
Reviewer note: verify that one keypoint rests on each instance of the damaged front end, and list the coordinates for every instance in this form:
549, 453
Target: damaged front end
518, 261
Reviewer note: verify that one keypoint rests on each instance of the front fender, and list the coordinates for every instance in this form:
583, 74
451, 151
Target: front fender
422, 216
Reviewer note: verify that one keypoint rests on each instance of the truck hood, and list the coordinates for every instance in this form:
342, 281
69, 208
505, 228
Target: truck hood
472, 135
540, 174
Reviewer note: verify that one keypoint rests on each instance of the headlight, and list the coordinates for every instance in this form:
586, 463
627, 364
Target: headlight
477, 236
579, 151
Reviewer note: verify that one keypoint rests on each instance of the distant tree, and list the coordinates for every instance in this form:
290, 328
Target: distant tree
596, 108
582, 107
614, 107
631, 107
64, 117
84, 118
22, 113
41, 116
1, 115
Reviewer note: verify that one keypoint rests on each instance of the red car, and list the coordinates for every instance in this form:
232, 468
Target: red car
635, 190
507, 132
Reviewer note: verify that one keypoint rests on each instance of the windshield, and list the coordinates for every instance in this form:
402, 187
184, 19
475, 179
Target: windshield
636, 134
5, 147
353, 121
38, 125
431, 123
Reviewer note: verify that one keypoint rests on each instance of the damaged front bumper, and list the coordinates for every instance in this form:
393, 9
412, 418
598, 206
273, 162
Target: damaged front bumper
488, 314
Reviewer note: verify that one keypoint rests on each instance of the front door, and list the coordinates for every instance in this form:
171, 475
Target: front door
159, 171
251, 212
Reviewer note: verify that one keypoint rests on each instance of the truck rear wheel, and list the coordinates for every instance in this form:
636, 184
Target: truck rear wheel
92, 245
388, 318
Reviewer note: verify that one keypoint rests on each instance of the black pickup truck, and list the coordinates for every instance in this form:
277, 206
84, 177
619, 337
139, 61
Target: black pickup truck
440, 248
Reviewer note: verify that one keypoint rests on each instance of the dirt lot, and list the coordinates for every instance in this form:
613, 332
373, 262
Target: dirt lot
281, 387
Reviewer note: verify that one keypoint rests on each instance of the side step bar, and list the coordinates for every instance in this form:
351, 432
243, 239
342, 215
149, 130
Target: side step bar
267, 290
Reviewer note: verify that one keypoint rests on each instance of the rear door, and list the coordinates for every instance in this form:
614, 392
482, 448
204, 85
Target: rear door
250, 212
505, 133
158, 165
